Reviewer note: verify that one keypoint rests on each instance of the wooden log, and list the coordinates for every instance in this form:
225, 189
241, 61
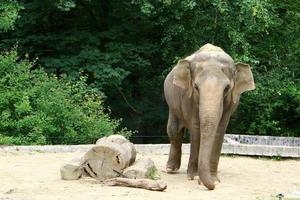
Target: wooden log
121, 140
72, 170
109, 157
141, 168
155, 185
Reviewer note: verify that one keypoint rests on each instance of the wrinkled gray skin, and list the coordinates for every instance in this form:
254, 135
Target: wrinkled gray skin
202, 91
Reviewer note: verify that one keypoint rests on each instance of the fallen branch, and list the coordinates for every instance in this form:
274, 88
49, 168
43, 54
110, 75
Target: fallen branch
147, 184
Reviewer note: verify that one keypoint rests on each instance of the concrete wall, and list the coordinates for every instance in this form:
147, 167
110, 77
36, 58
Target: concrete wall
263, 140
233, 144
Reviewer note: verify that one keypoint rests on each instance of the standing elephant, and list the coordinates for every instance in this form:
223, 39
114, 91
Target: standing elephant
202, 91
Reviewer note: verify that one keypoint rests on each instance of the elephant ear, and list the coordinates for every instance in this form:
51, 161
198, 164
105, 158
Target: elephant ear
182, 76
243, 81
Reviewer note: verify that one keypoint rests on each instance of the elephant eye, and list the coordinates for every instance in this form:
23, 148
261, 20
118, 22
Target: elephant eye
226, 89
196, 87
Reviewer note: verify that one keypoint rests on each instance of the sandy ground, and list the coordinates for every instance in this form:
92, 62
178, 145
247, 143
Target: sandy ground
36, 176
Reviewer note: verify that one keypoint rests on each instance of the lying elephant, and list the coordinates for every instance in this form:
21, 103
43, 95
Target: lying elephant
202, 91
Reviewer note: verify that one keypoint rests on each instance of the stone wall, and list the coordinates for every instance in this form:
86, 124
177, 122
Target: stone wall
233, 144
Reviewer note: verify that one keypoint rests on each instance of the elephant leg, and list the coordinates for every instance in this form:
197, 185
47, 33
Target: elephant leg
175, 133
192, 170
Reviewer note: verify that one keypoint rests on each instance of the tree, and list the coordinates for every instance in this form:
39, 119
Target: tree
125, 48
36, 108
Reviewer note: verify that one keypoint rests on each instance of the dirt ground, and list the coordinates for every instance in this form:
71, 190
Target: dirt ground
36, 176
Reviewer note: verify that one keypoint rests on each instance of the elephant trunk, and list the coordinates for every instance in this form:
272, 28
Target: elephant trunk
210, 112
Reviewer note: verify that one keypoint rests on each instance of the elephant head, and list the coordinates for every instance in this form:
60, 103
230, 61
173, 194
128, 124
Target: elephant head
214, 83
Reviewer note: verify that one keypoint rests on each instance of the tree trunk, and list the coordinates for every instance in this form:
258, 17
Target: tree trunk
72, 170
107, 159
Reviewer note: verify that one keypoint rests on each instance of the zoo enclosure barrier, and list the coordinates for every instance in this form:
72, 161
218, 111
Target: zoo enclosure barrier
233, 144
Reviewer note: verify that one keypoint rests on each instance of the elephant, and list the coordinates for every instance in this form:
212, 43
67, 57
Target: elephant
202, 91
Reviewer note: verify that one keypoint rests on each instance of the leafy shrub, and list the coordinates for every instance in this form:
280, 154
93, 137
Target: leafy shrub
8, 14
36, 108
273, 108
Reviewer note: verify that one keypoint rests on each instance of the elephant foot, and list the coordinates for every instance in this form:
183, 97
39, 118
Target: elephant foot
192, 177
192, 174
171, 170
172, 167
216, 180
209, 186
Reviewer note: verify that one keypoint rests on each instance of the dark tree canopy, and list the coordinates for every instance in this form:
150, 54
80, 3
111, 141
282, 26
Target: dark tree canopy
125, 49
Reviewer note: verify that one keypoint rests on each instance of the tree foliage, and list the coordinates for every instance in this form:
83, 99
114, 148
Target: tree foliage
125, 49
9, 12
41, 109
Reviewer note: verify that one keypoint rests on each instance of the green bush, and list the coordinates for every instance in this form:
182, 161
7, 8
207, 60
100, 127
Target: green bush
9, 13
36, 108
273, 108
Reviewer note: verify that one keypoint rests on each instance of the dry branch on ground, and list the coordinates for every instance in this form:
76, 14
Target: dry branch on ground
155, 185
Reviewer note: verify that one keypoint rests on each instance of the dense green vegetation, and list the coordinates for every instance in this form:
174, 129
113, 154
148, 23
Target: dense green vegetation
37, 108
125, 49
